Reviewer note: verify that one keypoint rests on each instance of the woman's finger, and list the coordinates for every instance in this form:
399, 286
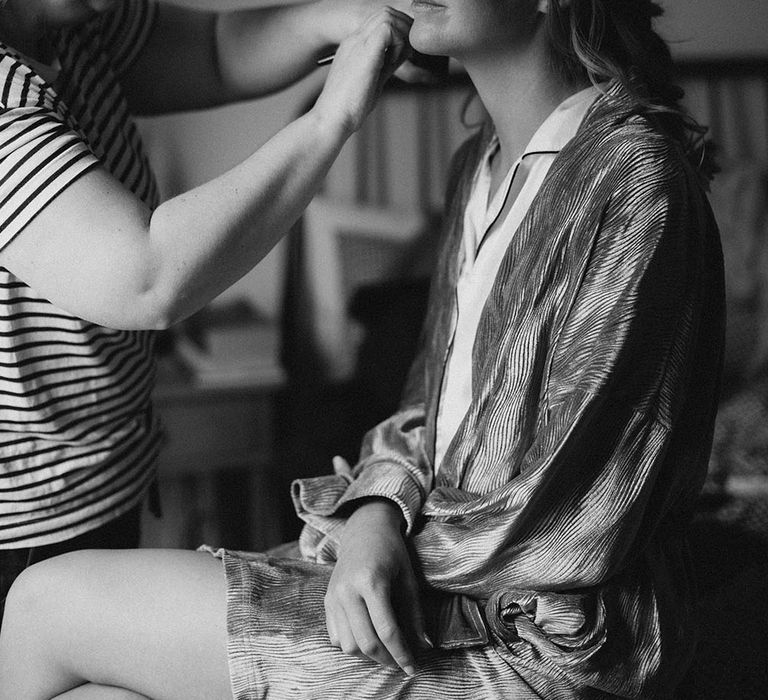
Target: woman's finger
347, 642
331, 626
389, 631
409, 608
339, 631
341, 466
367, 640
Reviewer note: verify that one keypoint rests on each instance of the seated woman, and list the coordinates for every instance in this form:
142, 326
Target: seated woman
517, 529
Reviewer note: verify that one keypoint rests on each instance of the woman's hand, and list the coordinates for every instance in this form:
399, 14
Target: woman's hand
364, 61
372, 606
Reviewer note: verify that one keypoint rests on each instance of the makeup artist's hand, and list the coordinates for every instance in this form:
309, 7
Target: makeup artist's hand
340, 18
364, 61
372, 606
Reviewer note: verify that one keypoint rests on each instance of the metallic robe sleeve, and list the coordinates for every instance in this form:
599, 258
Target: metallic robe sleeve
392, 465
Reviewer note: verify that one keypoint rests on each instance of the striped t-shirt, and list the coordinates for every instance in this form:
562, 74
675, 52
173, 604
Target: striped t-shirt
77, 437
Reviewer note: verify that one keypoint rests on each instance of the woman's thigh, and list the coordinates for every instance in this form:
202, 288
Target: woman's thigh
153, 621
279, 648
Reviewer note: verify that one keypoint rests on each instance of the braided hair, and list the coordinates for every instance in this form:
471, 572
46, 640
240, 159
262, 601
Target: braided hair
604, 40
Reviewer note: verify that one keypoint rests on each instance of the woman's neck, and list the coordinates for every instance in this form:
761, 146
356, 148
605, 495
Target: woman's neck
519, 91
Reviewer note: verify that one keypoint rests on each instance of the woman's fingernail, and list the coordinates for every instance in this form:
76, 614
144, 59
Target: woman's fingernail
427, 640
409, 670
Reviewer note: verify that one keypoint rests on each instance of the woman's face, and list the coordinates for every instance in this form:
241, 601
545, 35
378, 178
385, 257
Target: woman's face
466, 28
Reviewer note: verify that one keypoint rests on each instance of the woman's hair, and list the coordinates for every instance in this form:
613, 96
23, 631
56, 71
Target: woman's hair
604, 40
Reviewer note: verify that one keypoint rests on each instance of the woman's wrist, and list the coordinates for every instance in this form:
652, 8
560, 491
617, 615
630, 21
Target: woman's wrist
379, 511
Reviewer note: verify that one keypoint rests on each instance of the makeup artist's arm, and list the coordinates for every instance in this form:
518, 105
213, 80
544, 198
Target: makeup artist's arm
198, 59
97, 251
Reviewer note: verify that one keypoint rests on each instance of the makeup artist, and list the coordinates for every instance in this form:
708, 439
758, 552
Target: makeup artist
91, 263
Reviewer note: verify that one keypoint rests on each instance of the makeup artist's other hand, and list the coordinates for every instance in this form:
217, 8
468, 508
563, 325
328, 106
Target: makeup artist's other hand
372, 606
364, 61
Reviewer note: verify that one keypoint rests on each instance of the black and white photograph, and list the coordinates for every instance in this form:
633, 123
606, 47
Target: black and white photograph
383, 350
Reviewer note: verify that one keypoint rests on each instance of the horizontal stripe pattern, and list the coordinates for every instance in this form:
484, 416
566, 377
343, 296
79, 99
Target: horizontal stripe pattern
554, 531
78, 439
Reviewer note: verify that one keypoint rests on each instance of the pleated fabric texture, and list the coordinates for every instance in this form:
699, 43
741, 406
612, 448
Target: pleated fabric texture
552, 542
278, 647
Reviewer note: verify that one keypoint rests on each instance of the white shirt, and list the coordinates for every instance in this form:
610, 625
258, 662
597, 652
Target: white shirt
486, 238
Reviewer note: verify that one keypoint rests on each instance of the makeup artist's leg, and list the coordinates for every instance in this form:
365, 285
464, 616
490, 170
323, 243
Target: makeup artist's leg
152, 621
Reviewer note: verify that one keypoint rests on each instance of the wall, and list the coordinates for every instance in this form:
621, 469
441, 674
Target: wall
714, 28
189, 149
